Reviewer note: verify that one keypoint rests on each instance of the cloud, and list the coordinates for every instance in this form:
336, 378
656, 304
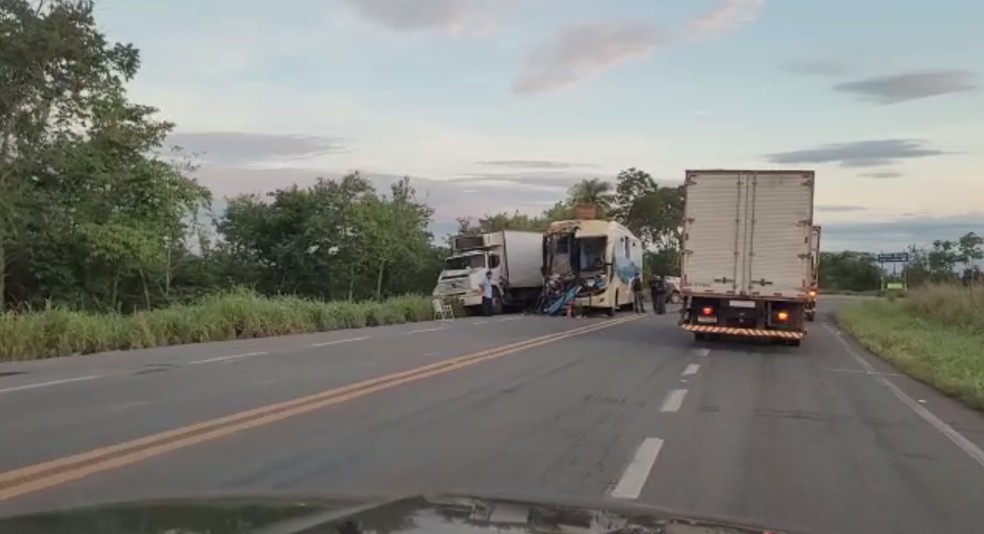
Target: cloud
581, 52
883, 174
859, 154
896, 234
727, 17
534, 164
910, 86
839, 208
451, 16
818, 67
241, 148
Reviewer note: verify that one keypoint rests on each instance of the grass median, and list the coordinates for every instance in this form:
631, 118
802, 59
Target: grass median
935, 334
236, 315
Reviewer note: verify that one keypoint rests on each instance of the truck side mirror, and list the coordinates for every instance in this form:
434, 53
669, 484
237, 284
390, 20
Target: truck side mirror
493, 260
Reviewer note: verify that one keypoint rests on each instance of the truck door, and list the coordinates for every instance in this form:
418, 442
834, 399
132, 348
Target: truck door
714, 231
776, 235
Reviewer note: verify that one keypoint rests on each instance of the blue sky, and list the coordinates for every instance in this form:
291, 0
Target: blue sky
493, 105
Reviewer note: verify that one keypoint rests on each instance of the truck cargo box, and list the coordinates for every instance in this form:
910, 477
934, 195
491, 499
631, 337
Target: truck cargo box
748, 233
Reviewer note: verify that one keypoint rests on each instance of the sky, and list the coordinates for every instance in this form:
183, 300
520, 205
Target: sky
493, 105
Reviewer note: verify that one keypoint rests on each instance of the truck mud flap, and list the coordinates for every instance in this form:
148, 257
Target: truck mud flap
750, 332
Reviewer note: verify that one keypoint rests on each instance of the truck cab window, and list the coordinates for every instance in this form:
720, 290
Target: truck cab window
493, 261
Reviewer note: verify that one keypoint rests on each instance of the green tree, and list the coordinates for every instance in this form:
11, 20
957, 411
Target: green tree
86, 216
593, 191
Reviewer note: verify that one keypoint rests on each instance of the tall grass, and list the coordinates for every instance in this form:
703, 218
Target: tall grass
236, 315
935, 334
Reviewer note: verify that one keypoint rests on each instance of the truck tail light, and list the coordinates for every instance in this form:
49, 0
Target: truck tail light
707, 311
813, 292
782, 316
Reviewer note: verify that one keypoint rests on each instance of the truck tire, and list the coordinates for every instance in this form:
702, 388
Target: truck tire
811, 316
496, 302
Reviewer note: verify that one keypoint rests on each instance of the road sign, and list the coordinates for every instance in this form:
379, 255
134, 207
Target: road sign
893, 257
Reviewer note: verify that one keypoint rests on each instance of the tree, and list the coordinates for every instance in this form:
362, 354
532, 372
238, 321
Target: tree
593, 191
86, 215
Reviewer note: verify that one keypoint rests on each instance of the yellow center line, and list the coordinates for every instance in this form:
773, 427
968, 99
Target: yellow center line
52, 473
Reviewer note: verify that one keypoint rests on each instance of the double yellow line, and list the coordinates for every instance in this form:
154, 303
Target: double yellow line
44, 475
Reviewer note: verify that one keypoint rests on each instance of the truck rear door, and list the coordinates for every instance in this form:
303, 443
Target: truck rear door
776, 242
714, 222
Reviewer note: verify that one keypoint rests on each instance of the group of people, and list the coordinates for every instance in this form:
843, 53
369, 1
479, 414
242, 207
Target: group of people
658, 290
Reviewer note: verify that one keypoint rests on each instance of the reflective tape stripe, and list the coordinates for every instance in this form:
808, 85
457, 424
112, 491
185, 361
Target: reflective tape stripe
707, 329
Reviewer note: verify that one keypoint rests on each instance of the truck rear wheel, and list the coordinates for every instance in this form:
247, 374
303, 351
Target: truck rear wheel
811, 316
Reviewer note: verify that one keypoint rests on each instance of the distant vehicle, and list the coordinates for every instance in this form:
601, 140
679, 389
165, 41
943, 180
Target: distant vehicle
675, 295
811, 303
515, 259
746, 263
601, 256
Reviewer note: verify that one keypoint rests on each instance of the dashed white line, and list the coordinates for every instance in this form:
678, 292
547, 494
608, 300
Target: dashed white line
504, 319
51, 383
703, 352
634, 477
340, 341
957, 438
859, 371
691, 369
479, 322
673, 400
227, 358
421, 331
128, 405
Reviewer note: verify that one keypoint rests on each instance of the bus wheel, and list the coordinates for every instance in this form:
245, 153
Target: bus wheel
611, 311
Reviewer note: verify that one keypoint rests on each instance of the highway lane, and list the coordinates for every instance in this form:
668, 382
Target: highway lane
805, 437
159, 389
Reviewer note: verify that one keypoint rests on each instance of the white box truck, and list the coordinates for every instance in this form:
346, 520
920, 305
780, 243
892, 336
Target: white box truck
515, 259
746, 255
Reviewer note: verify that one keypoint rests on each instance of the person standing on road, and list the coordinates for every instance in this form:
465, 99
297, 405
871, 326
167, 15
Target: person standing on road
658, 289
487, 308
638, 305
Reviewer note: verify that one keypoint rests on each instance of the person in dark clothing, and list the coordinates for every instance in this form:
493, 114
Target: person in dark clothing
487, 308
637, 303
658, 289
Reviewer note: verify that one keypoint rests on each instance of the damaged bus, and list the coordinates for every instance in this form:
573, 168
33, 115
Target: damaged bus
598, 258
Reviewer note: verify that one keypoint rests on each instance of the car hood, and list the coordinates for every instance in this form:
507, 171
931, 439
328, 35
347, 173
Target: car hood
431, 514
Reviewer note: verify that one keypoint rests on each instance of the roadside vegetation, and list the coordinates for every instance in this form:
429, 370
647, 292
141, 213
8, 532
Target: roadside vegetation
221, 317
935, 334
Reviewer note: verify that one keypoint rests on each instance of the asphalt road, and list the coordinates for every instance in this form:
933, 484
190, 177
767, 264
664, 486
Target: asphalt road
823, 438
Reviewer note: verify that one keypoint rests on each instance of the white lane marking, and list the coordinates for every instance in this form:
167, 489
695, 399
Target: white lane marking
673, 400
426, 330
128, 405
227, 358
957, 438
634, 477
859, 371
51, 383
479, 322
340, 341
268, 381
504, 319
691, 369
704, 352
